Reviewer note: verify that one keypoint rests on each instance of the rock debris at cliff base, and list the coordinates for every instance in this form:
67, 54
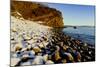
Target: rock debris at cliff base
35, 44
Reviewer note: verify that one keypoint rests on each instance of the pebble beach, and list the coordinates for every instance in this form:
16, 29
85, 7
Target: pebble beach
36, 44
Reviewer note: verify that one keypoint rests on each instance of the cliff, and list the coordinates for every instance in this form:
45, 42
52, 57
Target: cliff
37, 12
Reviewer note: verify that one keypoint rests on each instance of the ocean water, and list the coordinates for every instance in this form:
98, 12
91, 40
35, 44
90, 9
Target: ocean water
83, 33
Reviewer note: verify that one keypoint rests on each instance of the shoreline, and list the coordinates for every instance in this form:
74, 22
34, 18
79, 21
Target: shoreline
34, 44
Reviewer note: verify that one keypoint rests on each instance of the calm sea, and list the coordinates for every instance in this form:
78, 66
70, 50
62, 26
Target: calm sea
83, 33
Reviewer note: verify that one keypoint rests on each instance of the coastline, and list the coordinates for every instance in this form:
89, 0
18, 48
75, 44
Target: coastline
35, 44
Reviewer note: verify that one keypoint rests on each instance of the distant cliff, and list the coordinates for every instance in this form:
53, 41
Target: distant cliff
37, 12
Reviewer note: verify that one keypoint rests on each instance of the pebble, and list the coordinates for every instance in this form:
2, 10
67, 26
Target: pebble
25, 55
45, 57
12, 48
90, 52
49, 62
45, 43
65, 47
41, 45
31, 54
19, 54
30, 41
24, 49
57, 55
36, 49
26, 37
57, 48
38, 60
18, 47
85, 44
64, 61
14, 61
25, 64
29, 47
70, 57
14, 30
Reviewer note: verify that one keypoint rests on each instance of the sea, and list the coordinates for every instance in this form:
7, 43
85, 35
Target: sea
83, 33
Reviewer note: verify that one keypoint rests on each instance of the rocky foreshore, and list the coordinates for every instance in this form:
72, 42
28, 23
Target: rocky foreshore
35, 44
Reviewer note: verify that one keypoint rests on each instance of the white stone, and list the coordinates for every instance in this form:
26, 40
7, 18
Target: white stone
14, 29
45, 57
14, 61
29, 46
25, 55
25, 64
26, 37
49, 62
24, 49
41, 45
45, 43
38, 60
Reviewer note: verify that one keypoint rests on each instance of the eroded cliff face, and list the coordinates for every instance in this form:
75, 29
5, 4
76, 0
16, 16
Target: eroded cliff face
37, 12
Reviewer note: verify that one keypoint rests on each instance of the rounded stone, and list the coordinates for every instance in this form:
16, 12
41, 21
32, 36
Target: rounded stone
18, 47
49, 62
36, 49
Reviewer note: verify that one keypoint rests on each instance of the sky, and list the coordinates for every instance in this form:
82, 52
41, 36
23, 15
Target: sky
80, 15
